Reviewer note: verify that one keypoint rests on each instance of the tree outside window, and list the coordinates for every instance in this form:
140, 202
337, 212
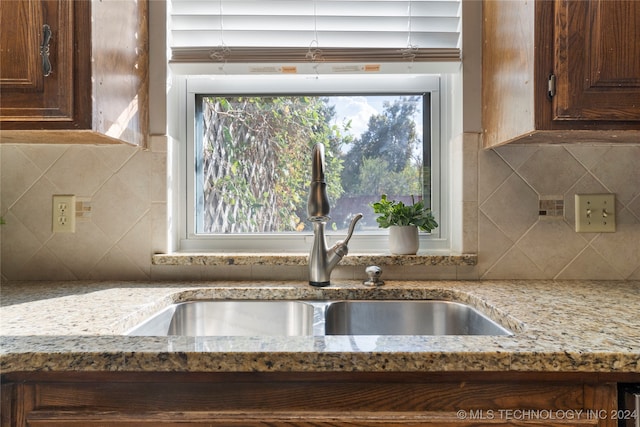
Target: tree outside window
255, 159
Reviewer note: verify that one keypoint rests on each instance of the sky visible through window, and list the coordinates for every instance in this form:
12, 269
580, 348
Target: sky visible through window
359, 108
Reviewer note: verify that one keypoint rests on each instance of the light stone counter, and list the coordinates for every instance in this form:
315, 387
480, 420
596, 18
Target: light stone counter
558, 327
303, 259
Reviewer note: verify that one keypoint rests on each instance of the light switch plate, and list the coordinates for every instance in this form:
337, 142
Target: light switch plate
595, 213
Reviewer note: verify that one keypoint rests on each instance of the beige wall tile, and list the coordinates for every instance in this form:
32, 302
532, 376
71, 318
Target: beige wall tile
81, 171
470, 150
117, 208
492, 172
516, 154
159, 239
115, 156
492, 244
515, 265
513, 207
80, 251
430, 272
176, 272
551, 245
136, 243
290, 272
136, 176
34, 209
551, 170
587, 154
43, 155
116, 265
589, 265
467, 272
44, 265
17, 247
226, 272
126, 189
619, 171
17, 175
470, 227
634, 207
621, 249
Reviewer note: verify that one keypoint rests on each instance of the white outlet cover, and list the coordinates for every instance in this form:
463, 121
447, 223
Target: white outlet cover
63, 216
595, 213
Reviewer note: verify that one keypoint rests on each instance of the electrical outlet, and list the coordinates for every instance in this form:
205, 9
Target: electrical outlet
595, 213
64, 214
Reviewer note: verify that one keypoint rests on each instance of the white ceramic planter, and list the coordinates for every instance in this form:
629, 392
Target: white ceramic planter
403, 239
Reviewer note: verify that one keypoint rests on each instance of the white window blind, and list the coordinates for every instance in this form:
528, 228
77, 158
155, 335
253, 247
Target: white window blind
314, 31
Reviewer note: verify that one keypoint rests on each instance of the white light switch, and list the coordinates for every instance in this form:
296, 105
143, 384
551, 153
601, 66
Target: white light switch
595, 213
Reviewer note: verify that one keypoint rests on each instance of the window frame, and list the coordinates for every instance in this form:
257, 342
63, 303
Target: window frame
188, 87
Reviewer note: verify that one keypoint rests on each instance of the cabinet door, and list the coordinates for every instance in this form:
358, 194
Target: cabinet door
36, 34
591, 47
597, 60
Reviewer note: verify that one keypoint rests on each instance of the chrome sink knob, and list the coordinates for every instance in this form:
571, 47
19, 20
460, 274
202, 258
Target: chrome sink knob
374, 272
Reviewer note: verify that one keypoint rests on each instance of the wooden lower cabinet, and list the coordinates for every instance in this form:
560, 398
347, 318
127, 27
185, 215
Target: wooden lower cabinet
304, 400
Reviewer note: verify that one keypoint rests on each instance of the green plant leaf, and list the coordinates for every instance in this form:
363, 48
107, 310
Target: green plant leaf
397, 213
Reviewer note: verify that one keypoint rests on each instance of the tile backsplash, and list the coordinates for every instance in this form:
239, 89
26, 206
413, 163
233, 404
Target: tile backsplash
515, 241
125, 189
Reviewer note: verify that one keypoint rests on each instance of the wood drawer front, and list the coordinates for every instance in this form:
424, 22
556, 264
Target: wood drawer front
305, 396
302, 400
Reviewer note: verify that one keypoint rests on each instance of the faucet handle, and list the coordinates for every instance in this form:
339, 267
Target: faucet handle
340, 248
352, 226
374, 272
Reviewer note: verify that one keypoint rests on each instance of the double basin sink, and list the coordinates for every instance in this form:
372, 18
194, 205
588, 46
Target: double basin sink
317, 318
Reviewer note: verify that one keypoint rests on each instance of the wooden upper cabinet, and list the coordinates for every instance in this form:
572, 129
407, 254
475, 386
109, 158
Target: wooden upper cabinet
74, 71
597, 60
561, 71
37, 73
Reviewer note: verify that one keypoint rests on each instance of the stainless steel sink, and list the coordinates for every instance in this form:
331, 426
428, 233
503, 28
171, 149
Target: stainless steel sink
230, 318
300, 318
408, 318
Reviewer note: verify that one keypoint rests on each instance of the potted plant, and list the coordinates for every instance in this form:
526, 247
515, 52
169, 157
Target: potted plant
403, 222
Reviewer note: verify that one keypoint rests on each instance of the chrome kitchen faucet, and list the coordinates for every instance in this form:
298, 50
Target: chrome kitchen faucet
322, 260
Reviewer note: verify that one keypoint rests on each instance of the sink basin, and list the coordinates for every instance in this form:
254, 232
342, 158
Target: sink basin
230, 318
408, 318
306, 318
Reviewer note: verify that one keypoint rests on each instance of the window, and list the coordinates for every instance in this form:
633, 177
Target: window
248, 157
252, 158
257, 82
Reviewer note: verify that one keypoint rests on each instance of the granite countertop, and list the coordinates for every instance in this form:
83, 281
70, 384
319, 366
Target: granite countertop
303, 259
572, 326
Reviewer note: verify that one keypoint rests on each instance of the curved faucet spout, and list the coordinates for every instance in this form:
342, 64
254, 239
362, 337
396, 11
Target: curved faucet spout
317, 165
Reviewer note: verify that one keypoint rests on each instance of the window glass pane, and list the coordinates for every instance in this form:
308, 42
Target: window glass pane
253, 158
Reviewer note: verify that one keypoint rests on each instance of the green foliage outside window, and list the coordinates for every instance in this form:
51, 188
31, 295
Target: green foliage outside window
257, 179
256, 157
